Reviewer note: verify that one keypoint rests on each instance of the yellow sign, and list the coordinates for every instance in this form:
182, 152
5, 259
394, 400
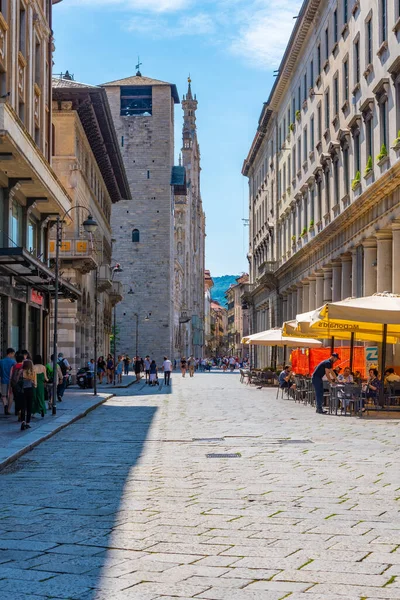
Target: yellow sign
65, 246
81, 246
52, 246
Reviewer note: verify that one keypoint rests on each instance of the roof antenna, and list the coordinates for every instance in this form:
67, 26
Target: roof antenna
139, 64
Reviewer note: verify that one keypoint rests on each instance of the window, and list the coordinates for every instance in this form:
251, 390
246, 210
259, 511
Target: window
122, 141
357, 61
327, 110
293, 108
32, 236
135, 235
280, 137
288, 118
319, 199
383, 19
305, 86
326, 43
312, 134
335, 26
285, 131
327, 192
346, 171
136, 101
294, 162
22, 29
312, 202
288, 170
368, 41
383, 117
369, 137
336, 95
336, 183
38, 63
299, 153
345, 11
357, 165
16, 224
305, 211
311, 73
148, 174
346, 80
305, 144
284, 178
319, 121
299, 98
319, 58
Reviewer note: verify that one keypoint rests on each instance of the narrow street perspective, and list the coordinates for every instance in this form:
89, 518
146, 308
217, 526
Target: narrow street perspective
208, 488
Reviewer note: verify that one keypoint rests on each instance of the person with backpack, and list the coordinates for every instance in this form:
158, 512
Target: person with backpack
65, 369
153, 373
29, 382
16, 384
49, 384
6, 364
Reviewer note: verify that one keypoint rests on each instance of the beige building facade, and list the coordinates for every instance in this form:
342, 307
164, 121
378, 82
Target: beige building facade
208, 285
88, 162
324, 169
237, 313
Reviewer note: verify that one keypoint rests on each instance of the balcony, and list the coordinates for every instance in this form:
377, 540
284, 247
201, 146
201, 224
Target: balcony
77, 253
104, 281
116, 293
266, 268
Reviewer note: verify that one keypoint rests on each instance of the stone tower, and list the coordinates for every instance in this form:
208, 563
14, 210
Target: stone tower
143, 228
189, 240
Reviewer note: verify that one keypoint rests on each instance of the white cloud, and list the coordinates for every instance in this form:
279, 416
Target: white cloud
265, 31
160, 27
152, 6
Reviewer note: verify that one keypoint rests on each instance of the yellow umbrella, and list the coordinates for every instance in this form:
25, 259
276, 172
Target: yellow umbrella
274, 337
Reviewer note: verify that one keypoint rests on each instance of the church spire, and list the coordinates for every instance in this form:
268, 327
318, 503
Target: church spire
189, 92
189, 105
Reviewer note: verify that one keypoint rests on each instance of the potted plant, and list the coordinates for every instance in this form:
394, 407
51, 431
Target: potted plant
356, 181
396, 143
382, 154
298, 115
291, 127
293, 239
304, 231
311, 227
368, 168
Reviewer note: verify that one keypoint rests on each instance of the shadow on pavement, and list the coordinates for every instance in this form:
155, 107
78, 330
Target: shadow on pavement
66, 508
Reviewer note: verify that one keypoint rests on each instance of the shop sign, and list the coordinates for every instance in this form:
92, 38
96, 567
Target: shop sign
36, 297
371, 358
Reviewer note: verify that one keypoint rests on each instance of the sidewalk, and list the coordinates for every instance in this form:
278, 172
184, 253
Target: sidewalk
127, 380
75, 405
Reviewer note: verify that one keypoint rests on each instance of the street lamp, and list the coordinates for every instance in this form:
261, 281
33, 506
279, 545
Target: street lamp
116, 269
89, 226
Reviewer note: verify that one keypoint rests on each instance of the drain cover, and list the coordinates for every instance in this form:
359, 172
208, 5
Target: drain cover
208, 439
296, 442
234, 455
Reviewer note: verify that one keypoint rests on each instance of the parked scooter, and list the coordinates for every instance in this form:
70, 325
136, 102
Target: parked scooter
84, 378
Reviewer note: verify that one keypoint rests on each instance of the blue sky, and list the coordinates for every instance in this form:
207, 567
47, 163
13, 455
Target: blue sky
230, 48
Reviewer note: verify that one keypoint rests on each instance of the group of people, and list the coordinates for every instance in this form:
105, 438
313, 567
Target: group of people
325, 371
27, 383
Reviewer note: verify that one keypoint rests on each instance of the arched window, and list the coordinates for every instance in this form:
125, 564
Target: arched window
135, 235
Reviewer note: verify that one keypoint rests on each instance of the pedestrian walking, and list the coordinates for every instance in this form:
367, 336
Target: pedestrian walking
49, 384
167, 367
323, 368
138, 367
153, 373
110, 369
119, 369
38, 400
16, 384
101, 368
65, 369
28, 383
6, 364
147, 363
183, 366
127, 362
191, 364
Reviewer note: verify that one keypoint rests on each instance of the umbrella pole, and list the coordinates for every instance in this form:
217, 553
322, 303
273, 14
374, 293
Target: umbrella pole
284, 355
351, 351
383, 365
332, 344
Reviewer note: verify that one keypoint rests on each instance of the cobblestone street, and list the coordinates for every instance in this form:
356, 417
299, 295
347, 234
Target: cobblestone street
125, 504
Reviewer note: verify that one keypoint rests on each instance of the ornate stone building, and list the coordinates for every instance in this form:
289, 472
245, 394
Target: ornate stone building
208, 284
237, 314
189, 239
30, 191
87, 159
324, 168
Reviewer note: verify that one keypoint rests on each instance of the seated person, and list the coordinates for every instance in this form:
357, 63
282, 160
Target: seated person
357, 377
285, 378
337, 370
373, 385
391, 376
346, 376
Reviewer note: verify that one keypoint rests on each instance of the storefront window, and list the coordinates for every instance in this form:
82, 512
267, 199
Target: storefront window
32, 236
16, 324
16, 225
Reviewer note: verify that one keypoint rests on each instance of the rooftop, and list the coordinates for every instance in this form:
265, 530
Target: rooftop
139, 80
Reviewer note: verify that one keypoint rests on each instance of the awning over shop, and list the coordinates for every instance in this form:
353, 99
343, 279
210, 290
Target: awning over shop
28, 270
273, 337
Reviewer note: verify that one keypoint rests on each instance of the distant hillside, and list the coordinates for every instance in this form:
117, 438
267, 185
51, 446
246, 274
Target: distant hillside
221, 284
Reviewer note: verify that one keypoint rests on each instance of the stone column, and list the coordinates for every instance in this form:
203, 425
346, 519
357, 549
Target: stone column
299, 298
354, 273
396, 254
284, 305
327, 285
319, 292
346, 276
312, 305
370, 262
384, 260
336, 280
306, 296
294, 303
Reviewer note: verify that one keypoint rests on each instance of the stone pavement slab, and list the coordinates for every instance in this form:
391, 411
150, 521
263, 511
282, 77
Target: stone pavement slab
125, 504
